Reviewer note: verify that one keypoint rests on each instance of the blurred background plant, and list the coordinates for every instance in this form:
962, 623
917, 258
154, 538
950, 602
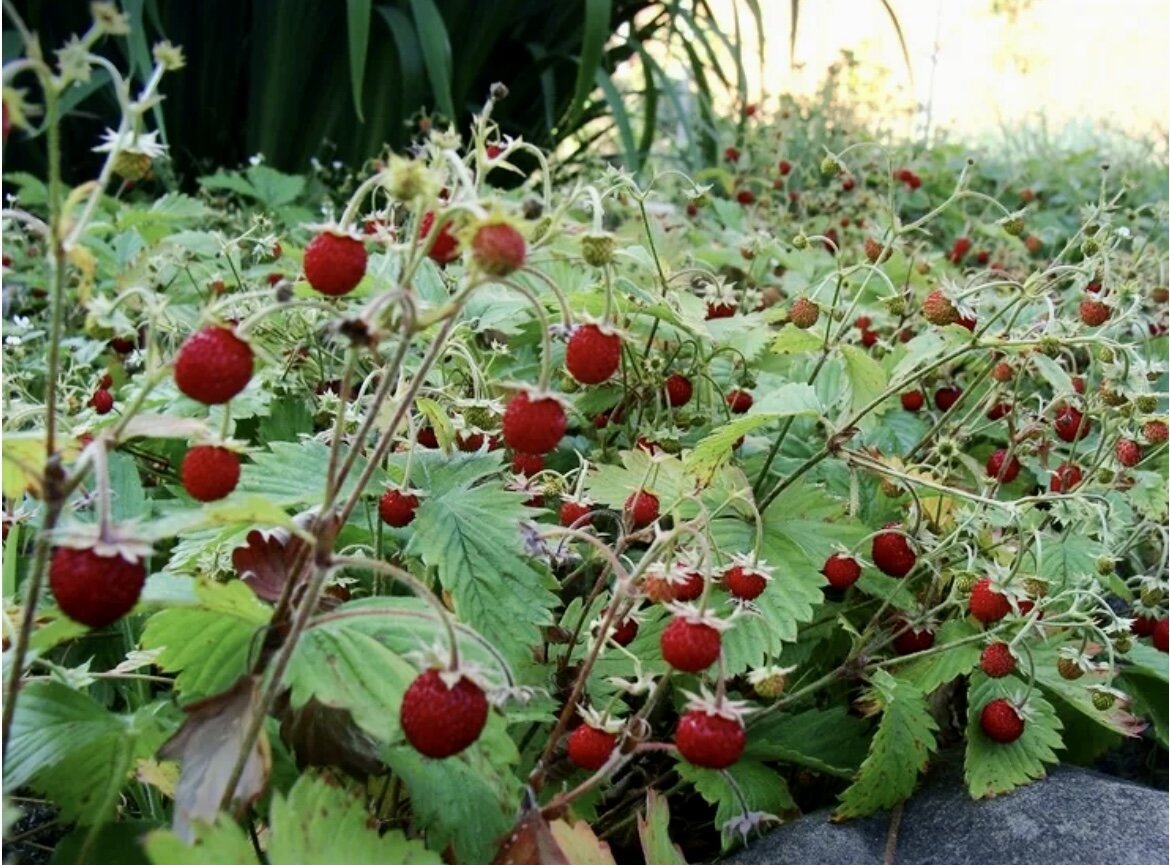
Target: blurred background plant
338, 81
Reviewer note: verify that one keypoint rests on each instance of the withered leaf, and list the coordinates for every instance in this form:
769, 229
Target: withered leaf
207, 746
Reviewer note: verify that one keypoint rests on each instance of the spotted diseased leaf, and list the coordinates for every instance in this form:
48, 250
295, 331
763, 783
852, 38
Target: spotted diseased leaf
471, 536
530, 841
991, 767
898, 753
67, 746
207, 644
207, 746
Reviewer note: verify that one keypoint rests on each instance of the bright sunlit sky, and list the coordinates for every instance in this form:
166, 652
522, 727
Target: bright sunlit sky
1088, 62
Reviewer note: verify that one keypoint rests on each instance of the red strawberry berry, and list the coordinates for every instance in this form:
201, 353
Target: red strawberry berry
785, 167
912, 640
574, 512
427, 438
1162, 636
102, 401
999, 411
1129, 452
892, 553
439, 720
945, 397
710, 741
731, 154
678, 390
334, 263
1094, 313
1156, 431
997, 661
624, 632
641, 508
498, 248
1001, 722
1002, 372
745, 197
739, 401
721, 310
1001, 467
986, 603
690, 646
593, 355
445, 249
213, 365
210, 472
744, 582
106, 381
533, 426
1070, 424
961, 247
589, 747
1065, 478
690, 588
938, 309
93, 589
527, 464
397, 507
804, 313
1143, 626
913, 400
841, 570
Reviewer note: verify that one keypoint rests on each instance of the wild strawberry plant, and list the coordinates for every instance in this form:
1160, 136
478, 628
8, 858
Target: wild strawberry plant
424, 520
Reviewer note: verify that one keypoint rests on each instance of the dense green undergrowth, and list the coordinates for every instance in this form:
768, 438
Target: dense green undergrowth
716, 498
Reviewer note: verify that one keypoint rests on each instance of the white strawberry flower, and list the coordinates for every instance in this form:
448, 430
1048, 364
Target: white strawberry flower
143, 143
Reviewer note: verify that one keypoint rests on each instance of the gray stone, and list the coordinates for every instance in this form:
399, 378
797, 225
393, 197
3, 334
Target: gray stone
1073, 817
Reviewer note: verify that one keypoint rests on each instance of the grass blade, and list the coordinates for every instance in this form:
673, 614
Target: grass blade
358, 26
621, 117
795, 7
435, 43
901, 38
593, 39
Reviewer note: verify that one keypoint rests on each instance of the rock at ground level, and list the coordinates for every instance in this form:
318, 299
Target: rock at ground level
1073, 816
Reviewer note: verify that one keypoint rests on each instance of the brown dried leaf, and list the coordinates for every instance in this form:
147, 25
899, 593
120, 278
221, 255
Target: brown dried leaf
207, 746
530, 842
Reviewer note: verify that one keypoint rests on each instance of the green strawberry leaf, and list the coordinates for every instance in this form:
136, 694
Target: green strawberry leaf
469, 800
207, 644
992, 768
898, 753
67, 746
928, 673
654, 832
867, 380
321, 821
292, 474
746, 784
471, 536
830, 741
324, 821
